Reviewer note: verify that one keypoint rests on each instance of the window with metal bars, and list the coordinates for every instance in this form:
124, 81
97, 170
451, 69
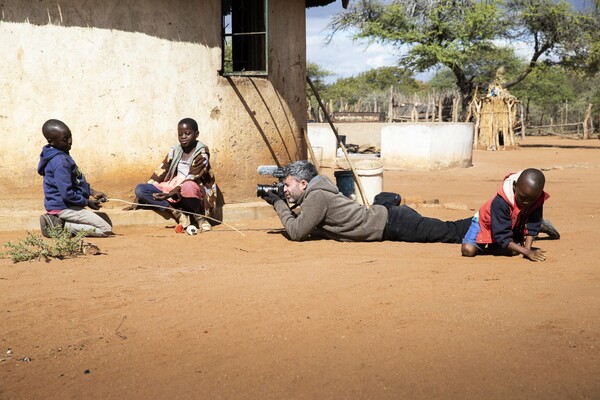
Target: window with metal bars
244, 37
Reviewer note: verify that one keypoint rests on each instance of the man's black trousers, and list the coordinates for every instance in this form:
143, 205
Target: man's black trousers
406, 225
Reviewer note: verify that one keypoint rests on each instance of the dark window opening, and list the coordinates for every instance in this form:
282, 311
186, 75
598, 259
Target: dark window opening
245, 37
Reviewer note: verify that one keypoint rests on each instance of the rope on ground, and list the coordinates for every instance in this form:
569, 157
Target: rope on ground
183, 212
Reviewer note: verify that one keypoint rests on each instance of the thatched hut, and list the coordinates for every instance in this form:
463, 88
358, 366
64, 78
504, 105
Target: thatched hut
495, 116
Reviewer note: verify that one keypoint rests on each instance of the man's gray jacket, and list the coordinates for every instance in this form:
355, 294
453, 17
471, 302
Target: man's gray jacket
327, 212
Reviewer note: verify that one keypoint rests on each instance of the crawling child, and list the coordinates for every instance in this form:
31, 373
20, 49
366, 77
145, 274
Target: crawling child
510, 220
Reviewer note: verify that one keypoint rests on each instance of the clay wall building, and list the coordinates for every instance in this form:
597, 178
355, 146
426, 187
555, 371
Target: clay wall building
122, 73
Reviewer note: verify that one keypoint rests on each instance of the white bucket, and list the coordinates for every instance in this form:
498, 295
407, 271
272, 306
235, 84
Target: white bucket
370, 173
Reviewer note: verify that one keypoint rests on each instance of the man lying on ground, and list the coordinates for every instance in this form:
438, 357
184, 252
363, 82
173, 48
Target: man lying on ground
325, 212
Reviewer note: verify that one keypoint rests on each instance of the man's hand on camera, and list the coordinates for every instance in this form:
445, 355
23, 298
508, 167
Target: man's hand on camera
271, 198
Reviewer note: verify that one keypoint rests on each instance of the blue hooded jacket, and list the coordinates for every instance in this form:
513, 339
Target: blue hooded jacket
64, 184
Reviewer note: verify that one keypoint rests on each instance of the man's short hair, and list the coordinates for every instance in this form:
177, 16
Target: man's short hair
301, 170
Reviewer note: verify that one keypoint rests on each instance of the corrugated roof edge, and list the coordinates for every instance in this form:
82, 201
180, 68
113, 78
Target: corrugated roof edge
319, 3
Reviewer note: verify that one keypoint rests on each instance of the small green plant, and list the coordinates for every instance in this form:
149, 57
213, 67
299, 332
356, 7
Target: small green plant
61, 245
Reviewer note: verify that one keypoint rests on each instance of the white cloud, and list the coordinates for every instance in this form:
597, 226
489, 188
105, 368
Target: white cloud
344, 57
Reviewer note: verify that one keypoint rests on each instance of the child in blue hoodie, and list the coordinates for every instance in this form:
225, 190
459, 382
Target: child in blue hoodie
66, 192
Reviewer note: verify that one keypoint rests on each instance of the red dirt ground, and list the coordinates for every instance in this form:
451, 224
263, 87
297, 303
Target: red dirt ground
226, 316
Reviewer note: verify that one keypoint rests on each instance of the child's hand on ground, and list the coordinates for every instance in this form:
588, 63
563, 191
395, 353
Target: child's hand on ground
536, 255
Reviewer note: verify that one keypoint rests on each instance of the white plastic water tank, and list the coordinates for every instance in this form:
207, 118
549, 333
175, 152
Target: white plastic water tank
427, 145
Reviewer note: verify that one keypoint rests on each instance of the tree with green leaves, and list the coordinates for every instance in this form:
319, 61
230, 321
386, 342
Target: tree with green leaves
547, 88
370, 86
317, 75
373, 85
483, 70
463, 35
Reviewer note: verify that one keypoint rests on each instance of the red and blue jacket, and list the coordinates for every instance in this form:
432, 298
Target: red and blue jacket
502, 221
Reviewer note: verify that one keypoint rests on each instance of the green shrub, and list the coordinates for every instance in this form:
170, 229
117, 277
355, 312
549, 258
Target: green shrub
61, 245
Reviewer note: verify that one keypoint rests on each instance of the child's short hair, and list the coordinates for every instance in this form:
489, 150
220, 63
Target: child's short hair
533, 177
189, 121
51, 125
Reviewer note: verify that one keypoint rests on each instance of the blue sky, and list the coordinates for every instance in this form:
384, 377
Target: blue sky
343, 56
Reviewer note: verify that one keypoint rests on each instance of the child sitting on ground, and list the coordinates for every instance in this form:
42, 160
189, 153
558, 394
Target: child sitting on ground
66, 191
183, 184
511, 219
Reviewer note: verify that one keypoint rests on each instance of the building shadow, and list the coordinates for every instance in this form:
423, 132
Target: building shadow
172, 20
252, 115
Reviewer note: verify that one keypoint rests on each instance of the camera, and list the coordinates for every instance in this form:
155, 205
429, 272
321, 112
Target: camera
276, 187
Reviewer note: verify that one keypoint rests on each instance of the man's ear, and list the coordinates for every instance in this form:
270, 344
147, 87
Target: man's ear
303, 184
515, 187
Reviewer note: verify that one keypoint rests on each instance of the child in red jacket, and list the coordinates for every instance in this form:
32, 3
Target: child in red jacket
511, 219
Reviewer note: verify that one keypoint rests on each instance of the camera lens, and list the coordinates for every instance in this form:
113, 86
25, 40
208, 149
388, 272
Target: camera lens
262, 190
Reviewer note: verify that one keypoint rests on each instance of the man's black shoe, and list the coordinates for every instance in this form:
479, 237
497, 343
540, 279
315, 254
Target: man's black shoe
549, 229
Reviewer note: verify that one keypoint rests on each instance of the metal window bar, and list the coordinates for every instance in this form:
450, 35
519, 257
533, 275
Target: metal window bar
248, 49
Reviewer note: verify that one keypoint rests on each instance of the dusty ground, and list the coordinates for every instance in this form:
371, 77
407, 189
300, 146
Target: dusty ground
221, 315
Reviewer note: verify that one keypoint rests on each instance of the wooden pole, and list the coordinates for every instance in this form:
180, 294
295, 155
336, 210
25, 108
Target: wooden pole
310, 150
511, 133
454, 109
522, 121
566, 113
391, 105
588, 112
552, 125
363, 195
478, 104
470, 109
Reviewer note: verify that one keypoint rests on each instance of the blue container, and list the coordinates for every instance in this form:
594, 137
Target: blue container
345, 182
